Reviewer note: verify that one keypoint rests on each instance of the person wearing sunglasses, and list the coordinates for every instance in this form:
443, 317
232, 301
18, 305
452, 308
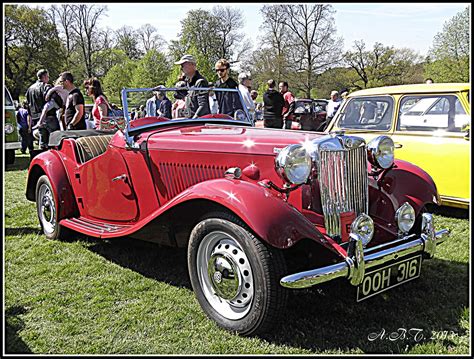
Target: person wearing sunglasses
228, 102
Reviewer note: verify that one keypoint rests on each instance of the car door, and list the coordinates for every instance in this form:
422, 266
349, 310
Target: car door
431, 133
106, 190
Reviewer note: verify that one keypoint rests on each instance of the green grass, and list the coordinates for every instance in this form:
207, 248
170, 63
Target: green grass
89, 296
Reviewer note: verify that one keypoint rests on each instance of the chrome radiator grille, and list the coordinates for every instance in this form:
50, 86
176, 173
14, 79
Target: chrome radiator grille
342, 176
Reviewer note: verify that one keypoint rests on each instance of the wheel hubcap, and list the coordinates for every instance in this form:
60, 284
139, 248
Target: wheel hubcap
225, 275
47, 210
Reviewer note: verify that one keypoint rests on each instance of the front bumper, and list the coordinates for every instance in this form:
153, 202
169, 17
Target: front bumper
12, 145
358, 260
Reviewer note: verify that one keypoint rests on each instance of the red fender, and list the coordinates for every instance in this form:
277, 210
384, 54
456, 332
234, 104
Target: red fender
50, 164
405, 182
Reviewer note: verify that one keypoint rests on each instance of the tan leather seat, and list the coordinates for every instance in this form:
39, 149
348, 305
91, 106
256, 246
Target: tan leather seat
91, 146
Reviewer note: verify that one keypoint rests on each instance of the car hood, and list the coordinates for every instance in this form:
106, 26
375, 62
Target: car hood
227, 139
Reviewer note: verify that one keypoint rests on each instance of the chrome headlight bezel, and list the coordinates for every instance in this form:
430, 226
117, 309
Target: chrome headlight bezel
363, 226
293, 164
405, 217
9, 128
380, 152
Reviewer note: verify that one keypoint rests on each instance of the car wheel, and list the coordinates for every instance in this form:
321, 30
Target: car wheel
235, 276
9, 157
48, 209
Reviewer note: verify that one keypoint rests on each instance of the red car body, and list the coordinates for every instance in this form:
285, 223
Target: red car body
178, 172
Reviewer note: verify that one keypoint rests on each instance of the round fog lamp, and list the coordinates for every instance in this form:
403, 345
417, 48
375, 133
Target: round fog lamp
405, 217
363, 226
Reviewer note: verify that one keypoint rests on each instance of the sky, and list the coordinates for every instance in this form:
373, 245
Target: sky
411, 25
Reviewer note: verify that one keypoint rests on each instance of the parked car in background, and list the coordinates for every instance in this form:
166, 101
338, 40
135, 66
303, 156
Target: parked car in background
259, 210
310, 114
11, 136
429, 124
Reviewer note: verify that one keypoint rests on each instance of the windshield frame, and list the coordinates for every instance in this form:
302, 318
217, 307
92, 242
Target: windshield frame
129, 132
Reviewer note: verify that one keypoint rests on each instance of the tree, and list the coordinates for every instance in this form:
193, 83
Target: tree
450, 54
382, 66
106, 59
150, 39
31, 43
152, 70
228, 26
118, 77
275, 31
90, 40
63, 15
314, 47
128, 41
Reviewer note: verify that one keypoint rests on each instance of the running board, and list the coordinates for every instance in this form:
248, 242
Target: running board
96, 228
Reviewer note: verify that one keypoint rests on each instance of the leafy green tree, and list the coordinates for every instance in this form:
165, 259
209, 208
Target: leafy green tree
106, 59
128, 40
152, 70
31, 42
381, 66
118, 77
450, 55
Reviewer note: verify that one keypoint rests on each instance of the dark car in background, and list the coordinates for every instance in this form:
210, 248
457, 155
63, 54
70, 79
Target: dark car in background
310, 114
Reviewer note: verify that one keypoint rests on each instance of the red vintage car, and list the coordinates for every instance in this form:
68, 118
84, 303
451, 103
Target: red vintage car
259, 210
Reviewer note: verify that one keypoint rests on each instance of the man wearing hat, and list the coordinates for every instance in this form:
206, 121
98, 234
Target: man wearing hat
332, 106
35, 96
197, 102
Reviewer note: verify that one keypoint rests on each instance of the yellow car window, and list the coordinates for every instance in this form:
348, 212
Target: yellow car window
367, 113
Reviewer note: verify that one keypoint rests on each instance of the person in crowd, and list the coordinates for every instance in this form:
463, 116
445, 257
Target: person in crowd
227, 102
179, 106
101, 104
55, 101
141, 111
245, 82
197, 102
165, 105
289, 106
153, 104
429, 80
332, 105
213, 100
74, 114
35, 96
273, 106
24, 128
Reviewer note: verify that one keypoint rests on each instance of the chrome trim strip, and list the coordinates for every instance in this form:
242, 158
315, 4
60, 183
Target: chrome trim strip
357, 261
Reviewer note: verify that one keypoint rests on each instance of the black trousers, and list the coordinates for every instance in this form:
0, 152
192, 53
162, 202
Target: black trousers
51, 125
26, 140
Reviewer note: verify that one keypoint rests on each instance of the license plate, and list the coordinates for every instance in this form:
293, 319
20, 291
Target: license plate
381, 279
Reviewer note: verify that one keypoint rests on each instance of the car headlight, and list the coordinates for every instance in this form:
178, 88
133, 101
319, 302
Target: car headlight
9, 128
293, 164
380, 152
363, 226
405, 217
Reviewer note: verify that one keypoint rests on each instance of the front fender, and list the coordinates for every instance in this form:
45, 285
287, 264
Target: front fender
269, 216
405, 182
49, 163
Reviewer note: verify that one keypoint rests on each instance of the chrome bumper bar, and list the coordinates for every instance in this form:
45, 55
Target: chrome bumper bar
358, 260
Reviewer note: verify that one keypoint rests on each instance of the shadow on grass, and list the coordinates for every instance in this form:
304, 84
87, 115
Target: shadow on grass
449, 211
13, 324
20, 231
328, 317
21, 163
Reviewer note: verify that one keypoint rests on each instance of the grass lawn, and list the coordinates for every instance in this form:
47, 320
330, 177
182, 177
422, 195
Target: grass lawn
89, 296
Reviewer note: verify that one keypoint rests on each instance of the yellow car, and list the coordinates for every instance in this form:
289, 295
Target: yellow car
429, 124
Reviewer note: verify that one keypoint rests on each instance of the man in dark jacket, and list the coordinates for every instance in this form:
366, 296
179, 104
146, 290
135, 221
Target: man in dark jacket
197, 102
227, 102
273, 105
35, 96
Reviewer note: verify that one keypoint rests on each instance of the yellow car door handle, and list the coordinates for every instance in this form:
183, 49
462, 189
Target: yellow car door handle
398, 145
